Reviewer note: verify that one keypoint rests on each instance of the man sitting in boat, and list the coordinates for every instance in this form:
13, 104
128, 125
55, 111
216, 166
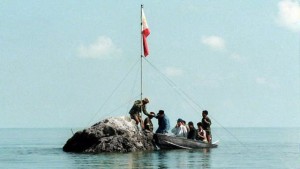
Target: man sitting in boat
201, 134
163, 122
148, 123
186, 125
192, 131
135, 111
180, 130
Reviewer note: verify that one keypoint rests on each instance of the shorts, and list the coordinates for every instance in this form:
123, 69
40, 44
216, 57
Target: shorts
208, 132
134, 116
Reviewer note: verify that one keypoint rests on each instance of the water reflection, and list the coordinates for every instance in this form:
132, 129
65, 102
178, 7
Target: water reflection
154, 159
161, 159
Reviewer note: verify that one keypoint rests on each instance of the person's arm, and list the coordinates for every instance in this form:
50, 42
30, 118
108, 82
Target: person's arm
168, 124
174, 131
201, 136
184, 131
145, 111
207, 121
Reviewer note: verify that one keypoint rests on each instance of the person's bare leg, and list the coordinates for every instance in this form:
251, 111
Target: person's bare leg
136, 119
141, 123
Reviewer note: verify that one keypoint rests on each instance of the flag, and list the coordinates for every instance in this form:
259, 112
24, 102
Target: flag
145, 33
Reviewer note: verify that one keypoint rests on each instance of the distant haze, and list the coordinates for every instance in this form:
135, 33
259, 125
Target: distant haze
73, 63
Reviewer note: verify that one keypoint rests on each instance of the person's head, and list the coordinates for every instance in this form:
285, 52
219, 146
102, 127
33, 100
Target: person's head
161, 113
204, 113
179, 122
191, 124
183, 122
199, 125
145, 100
153, 115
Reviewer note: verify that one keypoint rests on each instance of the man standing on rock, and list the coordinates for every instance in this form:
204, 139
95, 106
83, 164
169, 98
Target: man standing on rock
137, 108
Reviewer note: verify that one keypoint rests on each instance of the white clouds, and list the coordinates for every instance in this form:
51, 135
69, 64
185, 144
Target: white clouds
172, 71
217, 43
263, 81
214, 42
289, 14
103, 47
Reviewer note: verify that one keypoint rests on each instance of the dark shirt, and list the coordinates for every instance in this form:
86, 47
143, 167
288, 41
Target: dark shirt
192, 134
206, 126
137, 107
163, 124
148, 124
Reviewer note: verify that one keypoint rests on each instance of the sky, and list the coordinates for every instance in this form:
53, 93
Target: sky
74, 63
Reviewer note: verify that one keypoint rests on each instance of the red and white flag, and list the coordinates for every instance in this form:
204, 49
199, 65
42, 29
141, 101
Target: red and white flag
145, 33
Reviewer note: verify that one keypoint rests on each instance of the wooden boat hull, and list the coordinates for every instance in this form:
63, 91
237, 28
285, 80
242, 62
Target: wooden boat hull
171, 142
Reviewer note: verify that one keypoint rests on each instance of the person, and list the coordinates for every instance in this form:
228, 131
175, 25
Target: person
186, 125
192, 131
206, 123
163, 122
201, 134
148, 123
180, 129
137, 108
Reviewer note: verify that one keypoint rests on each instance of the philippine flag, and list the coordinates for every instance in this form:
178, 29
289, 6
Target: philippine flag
145, 33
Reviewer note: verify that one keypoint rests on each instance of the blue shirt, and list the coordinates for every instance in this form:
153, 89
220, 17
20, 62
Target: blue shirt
163, 124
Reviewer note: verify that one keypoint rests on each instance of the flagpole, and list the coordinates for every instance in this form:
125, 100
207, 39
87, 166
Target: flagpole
141, 55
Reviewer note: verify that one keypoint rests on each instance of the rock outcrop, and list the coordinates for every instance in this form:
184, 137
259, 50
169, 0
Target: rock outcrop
118, 134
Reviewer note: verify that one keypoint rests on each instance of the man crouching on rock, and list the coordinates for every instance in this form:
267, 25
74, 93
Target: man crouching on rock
137, 108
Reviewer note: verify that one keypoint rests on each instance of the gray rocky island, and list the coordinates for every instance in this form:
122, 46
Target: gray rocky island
116, 134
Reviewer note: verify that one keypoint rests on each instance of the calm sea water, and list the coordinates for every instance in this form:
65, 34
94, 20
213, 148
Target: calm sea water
238, 148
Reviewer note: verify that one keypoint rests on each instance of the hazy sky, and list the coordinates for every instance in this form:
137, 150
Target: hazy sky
73, 63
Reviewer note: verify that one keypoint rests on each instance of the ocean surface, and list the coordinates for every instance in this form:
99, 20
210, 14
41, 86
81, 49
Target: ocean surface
238, 148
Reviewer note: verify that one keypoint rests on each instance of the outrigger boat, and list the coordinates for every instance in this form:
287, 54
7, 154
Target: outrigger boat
172, 142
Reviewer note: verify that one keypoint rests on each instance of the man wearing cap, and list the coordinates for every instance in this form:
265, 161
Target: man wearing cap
163, 122
180, 130
137, 108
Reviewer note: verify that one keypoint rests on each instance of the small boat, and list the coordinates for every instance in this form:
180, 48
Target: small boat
172, 142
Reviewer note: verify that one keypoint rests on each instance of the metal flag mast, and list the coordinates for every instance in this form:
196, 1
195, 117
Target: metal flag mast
141, 60
144, 47
141, 53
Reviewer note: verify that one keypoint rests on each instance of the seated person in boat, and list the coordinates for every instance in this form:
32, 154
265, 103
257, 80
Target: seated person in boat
186, 125
148, 122
163, 122
200, 133
137, 108
192, 131
179, 130
206, 122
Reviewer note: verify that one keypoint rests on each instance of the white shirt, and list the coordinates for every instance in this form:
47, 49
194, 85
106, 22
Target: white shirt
180, 131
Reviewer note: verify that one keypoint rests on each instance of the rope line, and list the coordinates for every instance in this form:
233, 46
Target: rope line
133, 87
189, 99
122, 105
173, 85
115, 89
